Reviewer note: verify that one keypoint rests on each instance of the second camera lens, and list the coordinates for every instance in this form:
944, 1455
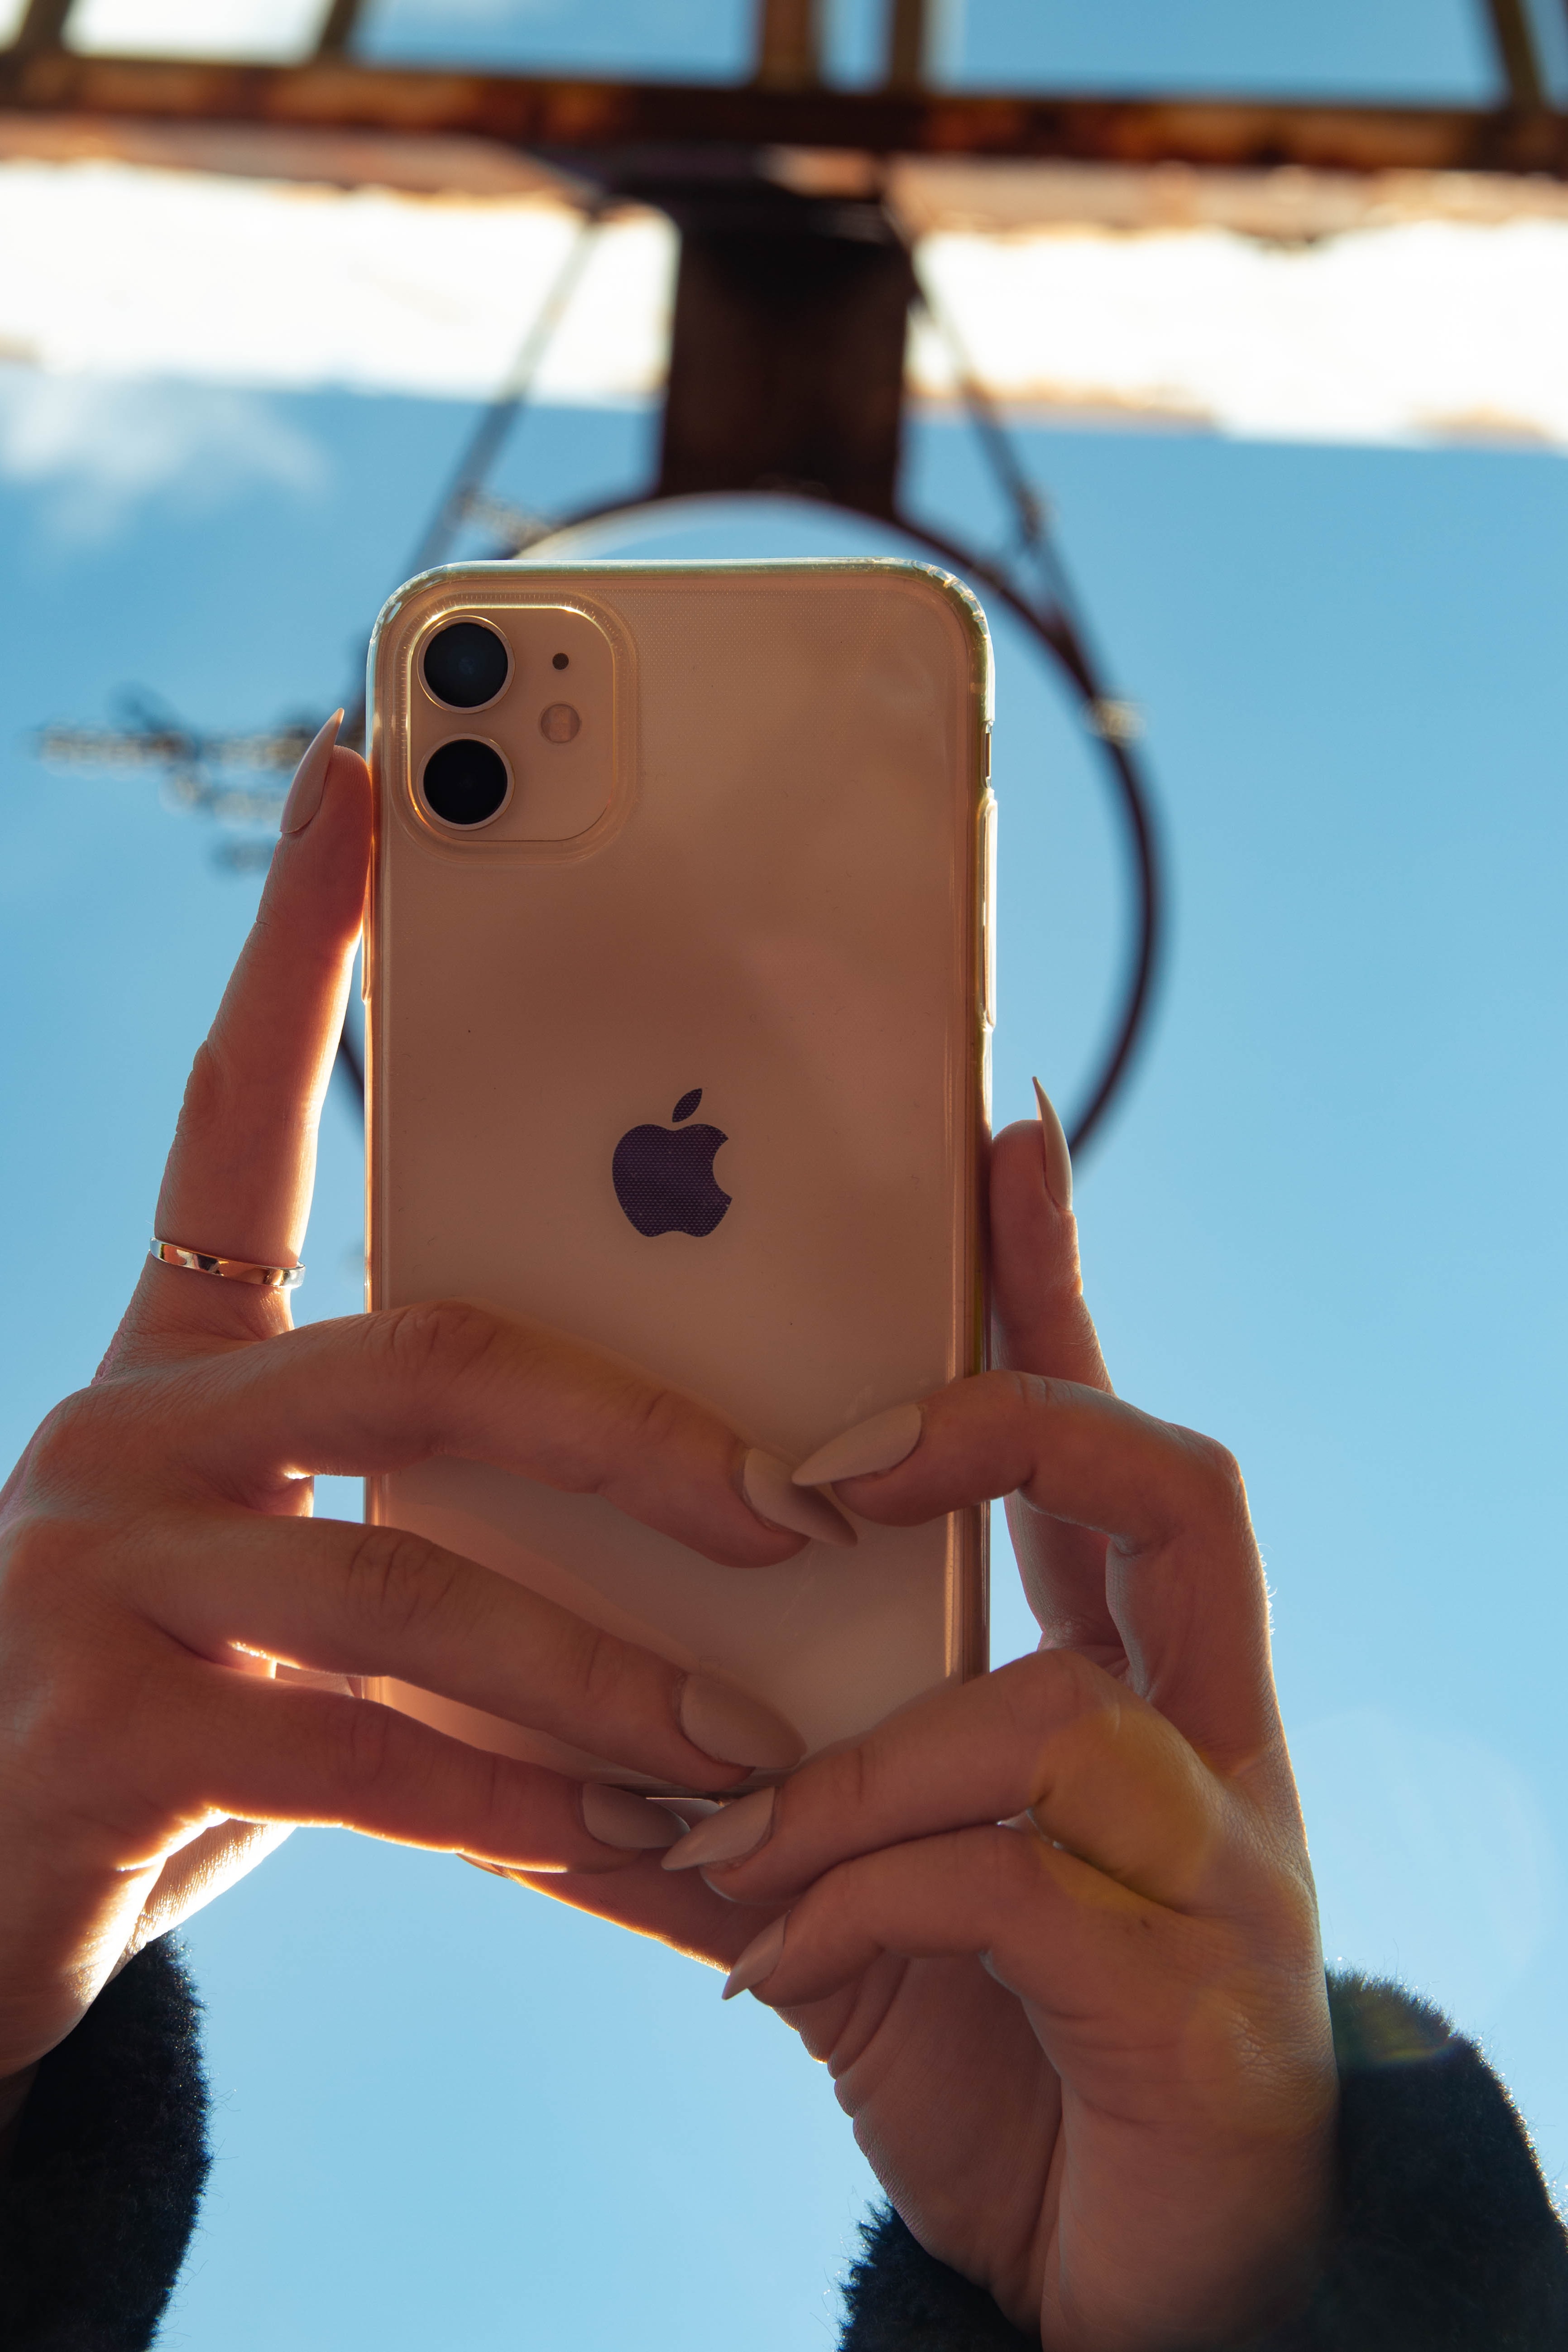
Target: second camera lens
465, 664
466, 782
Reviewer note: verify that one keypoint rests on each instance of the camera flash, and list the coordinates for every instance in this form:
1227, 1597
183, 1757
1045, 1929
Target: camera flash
559, 724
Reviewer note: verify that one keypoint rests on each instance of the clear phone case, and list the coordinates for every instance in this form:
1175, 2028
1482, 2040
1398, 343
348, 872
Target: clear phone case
685, 1049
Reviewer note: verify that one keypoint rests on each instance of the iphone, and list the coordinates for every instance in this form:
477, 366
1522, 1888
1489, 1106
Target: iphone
679, 975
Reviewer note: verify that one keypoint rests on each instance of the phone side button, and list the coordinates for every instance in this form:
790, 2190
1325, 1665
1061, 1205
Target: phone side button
988, 909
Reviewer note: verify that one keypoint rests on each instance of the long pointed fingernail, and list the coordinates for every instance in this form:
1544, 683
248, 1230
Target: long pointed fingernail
616, 1817
311, 778
758, 1961
1054, 1143
773, 1493
880, 1443
727, 1835
736, 1729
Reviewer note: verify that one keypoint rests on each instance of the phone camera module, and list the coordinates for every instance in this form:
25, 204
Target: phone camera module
466, 782
465, 664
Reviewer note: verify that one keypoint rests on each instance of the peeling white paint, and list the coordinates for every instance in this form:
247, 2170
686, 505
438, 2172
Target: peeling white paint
1435, 328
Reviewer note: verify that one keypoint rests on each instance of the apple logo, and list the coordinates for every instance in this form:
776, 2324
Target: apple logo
664, 1175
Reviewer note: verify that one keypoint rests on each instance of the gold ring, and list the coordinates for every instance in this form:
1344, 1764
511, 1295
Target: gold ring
231, 1269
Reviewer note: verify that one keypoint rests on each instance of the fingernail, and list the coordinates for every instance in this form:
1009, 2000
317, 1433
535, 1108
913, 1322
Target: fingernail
736, 1729
758, 1961
690, 1810
616, 1817
880, 1443
310, 778
773, 1493
1058, 1159
733, 1831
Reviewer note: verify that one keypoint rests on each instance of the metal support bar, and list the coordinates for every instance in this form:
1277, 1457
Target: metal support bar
1516, 52
568, 118
337, 33
909, 43
42, 28
789, 44
786, 362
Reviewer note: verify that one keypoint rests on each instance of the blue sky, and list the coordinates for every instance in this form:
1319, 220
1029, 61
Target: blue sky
1430, 48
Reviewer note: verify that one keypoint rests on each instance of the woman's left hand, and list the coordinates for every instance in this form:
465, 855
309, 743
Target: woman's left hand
1054, 1931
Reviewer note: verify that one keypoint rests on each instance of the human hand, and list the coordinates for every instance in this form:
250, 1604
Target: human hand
1054, 1932
158, 1561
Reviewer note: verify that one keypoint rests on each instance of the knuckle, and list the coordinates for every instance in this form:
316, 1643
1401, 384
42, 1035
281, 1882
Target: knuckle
849, 1782
651, 1417
1223, 1486
398, 1582
1066, 1713
83, 1727
1017, 1397
599, 1671
1062, 1684
609, 1456
363, 1738
37, 1554
207, 1097
489, 1796
440, 1338
66, 1442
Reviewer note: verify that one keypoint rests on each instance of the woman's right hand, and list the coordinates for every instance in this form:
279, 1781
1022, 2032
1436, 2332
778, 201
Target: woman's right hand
1052, 1932
157, 1558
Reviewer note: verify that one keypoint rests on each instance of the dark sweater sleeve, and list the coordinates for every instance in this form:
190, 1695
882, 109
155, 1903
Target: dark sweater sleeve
100, 2200
1447, 2239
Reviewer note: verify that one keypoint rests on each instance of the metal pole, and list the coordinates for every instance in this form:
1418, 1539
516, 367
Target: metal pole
789, 44
338, 30
909, 43
1516, 52
43, 27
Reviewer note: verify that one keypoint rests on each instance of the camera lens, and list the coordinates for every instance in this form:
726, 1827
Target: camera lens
465, 664
464, 783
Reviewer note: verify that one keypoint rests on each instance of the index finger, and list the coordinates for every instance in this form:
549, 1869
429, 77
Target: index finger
239, 1175
373, 1393
1103, 1776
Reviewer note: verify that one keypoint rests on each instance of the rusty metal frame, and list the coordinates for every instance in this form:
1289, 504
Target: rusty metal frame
1515, 50
563, 115
786, 104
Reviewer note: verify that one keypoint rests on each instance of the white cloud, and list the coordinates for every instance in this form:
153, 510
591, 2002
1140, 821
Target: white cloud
118, 271
104, 447
1426, 330
278, 29
1421, 330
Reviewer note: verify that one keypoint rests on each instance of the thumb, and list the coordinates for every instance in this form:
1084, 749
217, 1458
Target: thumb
1040, 1323
213, 1863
